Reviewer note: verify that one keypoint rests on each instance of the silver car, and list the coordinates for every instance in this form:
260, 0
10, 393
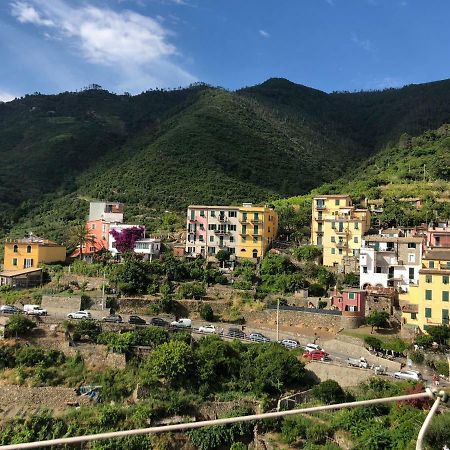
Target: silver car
408, 375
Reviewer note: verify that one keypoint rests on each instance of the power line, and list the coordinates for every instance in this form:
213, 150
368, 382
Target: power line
192, 425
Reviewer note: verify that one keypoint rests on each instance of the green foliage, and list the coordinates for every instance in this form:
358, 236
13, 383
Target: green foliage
223, 255
307, 253
172, 363
294, 428
351, 279
373, 342
378, 319
424, 340
417, 357
438, 434
440, 334
86, 328
207, 313
329, 392
191, 290
19, 325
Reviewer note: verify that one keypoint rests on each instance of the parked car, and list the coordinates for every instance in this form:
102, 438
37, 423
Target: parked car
114, 318
8, 309
236, 333
79, 315
358, 362
207, 329
258, 337
316, 355
158, 322
136, 320
290, 343
408, 375
34, 310
312, 347
181, 323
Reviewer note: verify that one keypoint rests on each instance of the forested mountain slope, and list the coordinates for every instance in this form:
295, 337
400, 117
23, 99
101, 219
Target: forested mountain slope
162, 150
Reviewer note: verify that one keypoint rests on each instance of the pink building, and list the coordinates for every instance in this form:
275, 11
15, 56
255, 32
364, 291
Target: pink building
352, 300
439, 235
197, 224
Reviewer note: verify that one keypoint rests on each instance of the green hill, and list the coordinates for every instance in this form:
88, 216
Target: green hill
162, 150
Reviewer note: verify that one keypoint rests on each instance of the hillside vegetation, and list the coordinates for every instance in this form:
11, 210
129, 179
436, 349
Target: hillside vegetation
161, 150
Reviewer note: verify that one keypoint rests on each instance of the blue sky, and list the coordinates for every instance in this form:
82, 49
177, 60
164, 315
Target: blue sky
133, 45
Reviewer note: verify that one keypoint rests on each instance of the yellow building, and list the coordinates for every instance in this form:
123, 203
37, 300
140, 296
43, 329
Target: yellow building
258, 227
30, 252
338, 227
427, 303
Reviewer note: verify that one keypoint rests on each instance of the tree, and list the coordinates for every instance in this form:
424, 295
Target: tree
191, 290
223, 255
19, 325
307, 252
126, 238
424, 340
373, 342
207, 313
172, 363
86, 327
79, 236
378, 319
351, 279
440, 334
329, 392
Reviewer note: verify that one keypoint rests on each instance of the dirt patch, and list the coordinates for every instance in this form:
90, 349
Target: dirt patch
22, 400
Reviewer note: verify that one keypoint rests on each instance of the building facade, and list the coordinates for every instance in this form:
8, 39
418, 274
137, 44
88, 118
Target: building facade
107, 211
390, 261
438, 235
353, 300
246, 232
338, 228
29, 252
149, 248
427, 303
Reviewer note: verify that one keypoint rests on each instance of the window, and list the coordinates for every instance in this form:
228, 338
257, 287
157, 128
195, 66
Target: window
255, 239
411, 257
255, 229
333, 239
445, 296
202, 227
445, 316
428, 295
428, 313
211, 239
92, 249
364, 269
378, 269
355, 239
268, 229
333, 225
411, 245
445, 279
411, 273
244, 229
192, 214
340, 251
28, 262
431, 265
16, 248
414, 316
93, 226
231, 227
333, 251
232, 214
351, 295
356, 225
202, 213
428, 279
213, 213
231, 238
211, 250
200, 238
336, 202
28, 248
211, 226
244, 216
341, 227
232, 250
14, 261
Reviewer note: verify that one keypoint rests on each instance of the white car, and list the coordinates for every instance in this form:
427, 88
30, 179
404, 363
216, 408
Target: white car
290, 343
34, 310
181, 323
79, 315
207, 329
312, 347
408, 375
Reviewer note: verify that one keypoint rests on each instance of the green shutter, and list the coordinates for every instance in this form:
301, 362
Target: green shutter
428, 313
445, 296
428, 295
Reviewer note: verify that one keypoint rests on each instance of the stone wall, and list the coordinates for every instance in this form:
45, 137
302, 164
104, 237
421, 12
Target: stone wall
345, 376
72, 303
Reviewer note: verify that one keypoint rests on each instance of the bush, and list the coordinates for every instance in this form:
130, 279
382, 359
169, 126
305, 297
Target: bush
424, 340
317, 433
19, 325
206, 313
294, 428
417, 357
191, 290
316, 290
329, 392
86, 328
373, 342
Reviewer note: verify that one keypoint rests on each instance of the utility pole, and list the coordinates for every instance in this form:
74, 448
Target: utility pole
278, 321
103, 290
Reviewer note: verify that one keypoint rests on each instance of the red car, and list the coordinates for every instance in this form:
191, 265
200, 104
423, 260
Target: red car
316, 355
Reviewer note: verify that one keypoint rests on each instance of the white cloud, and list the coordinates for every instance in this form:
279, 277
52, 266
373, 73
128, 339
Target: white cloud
125, 40
6, 96
365, 44
25, 13
264, 33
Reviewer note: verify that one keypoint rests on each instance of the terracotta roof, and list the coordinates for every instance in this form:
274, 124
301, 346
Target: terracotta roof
378, 238
438, 254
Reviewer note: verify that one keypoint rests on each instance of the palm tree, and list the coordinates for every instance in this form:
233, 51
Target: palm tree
79, 235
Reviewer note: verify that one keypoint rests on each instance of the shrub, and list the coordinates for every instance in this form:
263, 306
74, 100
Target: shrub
424, 340
294, 428
316, 290
191, 290
417, 357
317, 433
329, 392
206, 313
88, 328
19, 325
373, 342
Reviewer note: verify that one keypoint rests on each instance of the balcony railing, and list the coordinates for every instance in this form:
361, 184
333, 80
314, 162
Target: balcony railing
242, 220
337, 231
341, 244
320, 207
256, 220
222, 219
221, 231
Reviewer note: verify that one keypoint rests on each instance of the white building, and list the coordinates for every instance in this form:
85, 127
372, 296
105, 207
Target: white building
149, 247
107, 211
119, 227
387, 260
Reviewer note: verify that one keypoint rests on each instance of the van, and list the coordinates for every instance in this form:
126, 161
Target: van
34, 310
182, 323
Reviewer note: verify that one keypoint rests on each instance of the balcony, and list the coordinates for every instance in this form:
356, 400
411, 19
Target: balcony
256, 221
341, 244
192, 220
320, 207
242, 220
222, 219
221, 231
337, 231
